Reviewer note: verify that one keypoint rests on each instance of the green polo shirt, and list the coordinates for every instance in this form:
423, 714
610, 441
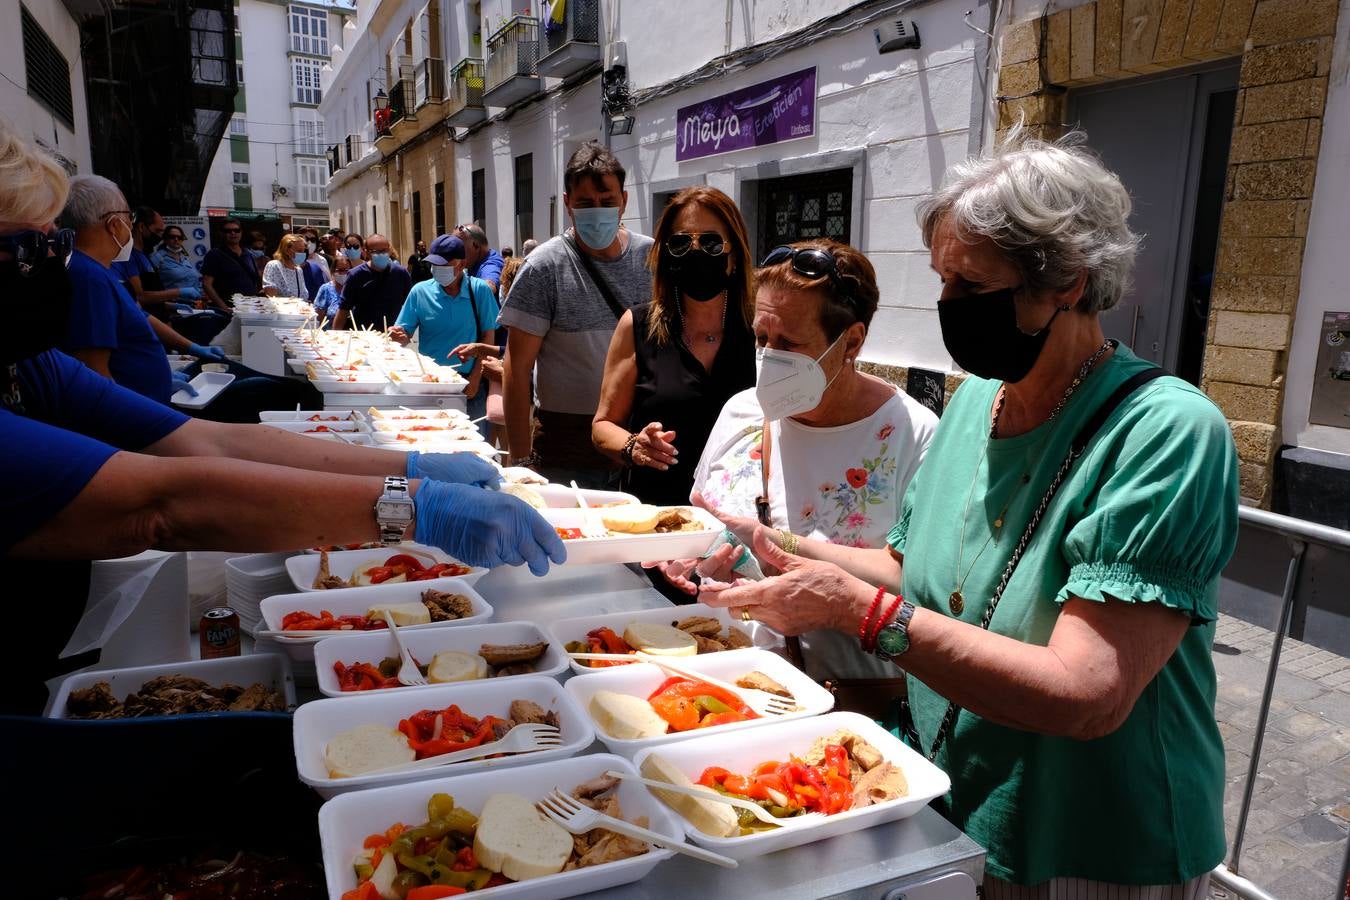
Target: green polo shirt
1147, 515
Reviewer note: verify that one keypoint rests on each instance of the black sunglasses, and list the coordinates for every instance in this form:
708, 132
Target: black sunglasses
710, 242
811, 262
32, 247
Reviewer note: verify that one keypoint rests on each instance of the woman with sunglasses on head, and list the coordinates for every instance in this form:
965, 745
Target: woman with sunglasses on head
835, 447
1051, 585
675, 360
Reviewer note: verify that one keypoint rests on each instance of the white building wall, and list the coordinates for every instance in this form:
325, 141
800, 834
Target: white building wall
898, 119
1325, 284
30, 118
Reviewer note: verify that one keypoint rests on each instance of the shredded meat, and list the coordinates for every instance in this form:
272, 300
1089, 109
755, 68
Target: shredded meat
171, 695
256, 698
506, 654
673, 519
523, 668
325, 579
590, 789
879, 784
446, 607
95, 702
700, 626
527, 712
600, 845
736, 639
760, 681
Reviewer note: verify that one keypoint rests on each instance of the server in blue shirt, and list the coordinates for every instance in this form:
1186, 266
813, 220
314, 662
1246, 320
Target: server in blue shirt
93, 470
449, 309
375, 290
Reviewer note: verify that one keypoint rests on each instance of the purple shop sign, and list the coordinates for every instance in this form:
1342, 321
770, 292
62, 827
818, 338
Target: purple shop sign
770, 112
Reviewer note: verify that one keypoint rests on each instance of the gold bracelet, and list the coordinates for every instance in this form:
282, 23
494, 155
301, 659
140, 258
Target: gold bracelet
787, 541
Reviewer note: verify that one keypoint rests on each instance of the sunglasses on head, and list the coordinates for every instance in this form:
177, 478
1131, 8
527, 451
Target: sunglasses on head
32, 247
810, 262
710, 242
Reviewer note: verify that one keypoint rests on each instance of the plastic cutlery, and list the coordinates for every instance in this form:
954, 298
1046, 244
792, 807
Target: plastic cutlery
758, 811
579, 819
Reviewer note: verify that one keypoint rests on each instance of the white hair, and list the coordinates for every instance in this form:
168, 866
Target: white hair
92, 198
1052, 208
33, 184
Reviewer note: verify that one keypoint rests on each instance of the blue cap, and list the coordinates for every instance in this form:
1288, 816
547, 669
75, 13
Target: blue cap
445, 248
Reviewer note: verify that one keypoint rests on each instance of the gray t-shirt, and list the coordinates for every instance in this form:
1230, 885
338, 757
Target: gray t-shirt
553, 297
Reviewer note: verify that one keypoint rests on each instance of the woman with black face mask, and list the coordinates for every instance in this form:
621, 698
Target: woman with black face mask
675, 361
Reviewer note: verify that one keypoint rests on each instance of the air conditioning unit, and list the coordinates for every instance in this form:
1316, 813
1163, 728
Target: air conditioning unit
281, 190
897, 34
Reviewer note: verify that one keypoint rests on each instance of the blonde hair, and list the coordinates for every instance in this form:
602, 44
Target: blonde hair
293, 237
35, 185
509, 270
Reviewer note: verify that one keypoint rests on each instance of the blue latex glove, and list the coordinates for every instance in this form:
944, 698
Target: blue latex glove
212, 353
453, 468
183, 307
181, 383
189, 293
485, 528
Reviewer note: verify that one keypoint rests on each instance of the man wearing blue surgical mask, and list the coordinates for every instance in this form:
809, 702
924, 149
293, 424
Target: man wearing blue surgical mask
375, 290
562, 310
449, 309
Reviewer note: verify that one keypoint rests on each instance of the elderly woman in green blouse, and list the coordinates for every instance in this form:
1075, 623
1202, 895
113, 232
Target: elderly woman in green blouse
1058, 602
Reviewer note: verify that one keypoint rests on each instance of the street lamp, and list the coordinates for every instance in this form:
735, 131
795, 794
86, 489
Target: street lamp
381, 100
621, 124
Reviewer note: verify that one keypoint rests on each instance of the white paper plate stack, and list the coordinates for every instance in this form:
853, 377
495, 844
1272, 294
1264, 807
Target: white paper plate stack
248, 579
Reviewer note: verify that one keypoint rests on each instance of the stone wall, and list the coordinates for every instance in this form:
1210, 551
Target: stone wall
1285, 47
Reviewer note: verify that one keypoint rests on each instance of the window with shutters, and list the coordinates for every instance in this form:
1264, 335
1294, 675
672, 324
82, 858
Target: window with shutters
312, 178
238, 125
241, 179
305, 80
47, 71
309, 30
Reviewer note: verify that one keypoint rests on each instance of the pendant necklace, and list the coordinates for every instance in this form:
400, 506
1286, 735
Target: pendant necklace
956, 601
709, 338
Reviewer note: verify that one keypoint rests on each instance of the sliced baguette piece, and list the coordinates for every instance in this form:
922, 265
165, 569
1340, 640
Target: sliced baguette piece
456, 665
624, 716
708, 816
659, 639
413, 612
515, 839
635, 518
365, 748
526, 493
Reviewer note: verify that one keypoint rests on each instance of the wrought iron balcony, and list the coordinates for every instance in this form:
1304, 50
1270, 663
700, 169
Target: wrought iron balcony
513, 62
403, 106
572, 45
353, 148
465, 105
429, 81
334, 156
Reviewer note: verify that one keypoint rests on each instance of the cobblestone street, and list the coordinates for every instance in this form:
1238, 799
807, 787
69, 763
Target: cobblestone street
1300, 816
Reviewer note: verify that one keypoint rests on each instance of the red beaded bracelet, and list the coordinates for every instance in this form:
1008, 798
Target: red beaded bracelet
886, 617
865, 628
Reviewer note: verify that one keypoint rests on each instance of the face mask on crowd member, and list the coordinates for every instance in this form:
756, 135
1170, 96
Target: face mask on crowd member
34, 292
339, 278
123, 247
351, 252
596, 205
379, 261
981, 333
699, 264
788, 383
446, 258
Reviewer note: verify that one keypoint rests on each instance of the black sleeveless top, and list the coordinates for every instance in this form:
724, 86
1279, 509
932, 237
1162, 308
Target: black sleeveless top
674, 389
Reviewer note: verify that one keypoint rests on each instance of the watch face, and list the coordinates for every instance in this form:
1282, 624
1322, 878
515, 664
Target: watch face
892, 641
393, 509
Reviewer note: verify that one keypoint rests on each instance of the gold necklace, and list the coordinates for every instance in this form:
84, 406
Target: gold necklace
956, 601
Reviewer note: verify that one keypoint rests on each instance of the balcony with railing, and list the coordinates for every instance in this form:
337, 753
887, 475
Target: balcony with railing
572, 45
429, 86
465, 104
352, 149
334, 156
513, 62
403, 106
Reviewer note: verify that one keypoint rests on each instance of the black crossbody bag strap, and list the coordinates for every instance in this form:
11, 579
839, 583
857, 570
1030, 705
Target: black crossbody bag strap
597, 279
1076, 450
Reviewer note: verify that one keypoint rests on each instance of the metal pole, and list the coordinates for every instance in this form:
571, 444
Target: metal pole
1286, 608
604, 62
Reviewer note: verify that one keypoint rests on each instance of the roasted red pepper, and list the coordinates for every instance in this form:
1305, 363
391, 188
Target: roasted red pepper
458, 731
825, 788
687, 704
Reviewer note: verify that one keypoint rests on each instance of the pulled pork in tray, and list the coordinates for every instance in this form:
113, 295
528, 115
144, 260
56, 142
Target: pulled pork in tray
172, 695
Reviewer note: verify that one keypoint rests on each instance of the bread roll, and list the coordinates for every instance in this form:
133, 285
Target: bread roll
708, 816
635, 518
526, 493
624, 716
413, 612
515, 839
364, 749
456, 665
660, 639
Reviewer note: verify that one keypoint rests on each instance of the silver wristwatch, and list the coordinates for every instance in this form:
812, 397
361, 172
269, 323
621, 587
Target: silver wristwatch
394, 511
893, 640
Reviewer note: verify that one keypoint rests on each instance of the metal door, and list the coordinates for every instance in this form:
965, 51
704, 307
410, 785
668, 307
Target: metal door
1152, 132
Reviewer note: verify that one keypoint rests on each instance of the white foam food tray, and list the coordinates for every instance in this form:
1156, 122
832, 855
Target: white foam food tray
356, 602
208, 386
346, 821
634, 548
317, 417
451, 381
373, 646
561, 496
422, 415
318, 722
575, 629
313, 427
642, 679
343, 563
272, 670
425, 426
741, 752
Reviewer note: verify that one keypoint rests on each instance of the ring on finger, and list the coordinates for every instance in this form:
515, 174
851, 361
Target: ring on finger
745, 614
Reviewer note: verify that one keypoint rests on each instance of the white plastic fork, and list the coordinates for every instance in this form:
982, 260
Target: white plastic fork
762, 702
525, 738
578, 818
590, 526
408, 673
758, 811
